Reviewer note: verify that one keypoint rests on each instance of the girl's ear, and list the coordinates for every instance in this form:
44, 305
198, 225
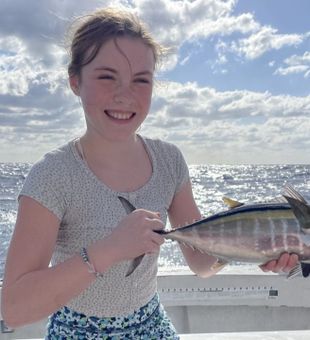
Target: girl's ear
74, 84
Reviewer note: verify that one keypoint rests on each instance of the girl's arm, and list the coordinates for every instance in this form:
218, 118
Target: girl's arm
32, 290
184, 210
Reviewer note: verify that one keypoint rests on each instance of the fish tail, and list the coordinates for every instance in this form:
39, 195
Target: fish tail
295, 271
301, 269
300, 207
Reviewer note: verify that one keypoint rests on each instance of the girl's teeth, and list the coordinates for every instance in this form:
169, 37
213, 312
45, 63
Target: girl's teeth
118, 115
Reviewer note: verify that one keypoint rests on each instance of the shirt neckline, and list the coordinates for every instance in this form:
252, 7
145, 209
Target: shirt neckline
129, 194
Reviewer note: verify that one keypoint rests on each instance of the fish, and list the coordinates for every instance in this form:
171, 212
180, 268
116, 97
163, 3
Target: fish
247, 233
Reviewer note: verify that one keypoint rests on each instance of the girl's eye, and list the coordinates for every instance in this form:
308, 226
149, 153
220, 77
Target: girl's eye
108, 77
142, 81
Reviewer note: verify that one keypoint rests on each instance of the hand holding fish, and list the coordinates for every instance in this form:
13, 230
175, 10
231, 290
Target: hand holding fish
285, 263
135, 235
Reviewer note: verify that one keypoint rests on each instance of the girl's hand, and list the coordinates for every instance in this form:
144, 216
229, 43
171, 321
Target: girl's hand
134, 235
285, 263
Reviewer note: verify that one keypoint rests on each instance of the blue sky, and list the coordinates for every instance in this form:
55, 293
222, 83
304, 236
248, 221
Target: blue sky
236, 90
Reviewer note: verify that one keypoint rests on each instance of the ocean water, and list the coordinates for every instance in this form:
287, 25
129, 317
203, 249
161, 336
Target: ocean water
246, 183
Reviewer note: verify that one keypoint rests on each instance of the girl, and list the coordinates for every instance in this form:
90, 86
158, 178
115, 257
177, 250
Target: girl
69, 213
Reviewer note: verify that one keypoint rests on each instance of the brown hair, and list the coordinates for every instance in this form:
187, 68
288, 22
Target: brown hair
90, 32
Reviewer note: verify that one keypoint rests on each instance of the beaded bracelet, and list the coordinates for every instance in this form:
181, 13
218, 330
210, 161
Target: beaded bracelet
91, 268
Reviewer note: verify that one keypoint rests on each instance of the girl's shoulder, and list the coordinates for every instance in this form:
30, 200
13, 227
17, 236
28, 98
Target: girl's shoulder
160, 145
57, 156
54, 163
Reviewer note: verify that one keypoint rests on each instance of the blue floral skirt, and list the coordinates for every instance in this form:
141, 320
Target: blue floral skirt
149, 322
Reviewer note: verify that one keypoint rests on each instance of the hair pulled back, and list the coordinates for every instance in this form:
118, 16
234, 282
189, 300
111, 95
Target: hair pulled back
91, 31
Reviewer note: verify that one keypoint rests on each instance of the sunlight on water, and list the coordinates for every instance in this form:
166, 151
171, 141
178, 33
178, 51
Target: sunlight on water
246, 183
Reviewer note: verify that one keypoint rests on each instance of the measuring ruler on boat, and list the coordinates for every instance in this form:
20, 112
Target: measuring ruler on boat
247, 292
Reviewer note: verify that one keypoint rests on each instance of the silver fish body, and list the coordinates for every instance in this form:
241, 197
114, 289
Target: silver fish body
251, 233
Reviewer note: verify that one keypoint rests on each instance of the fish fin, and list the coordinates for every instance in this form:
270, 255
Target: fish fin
195, 248
305, 267
134, 264
300, 207
295, 271
219, 264
188, 245
301, 269
129, 208
291, 192
231, 203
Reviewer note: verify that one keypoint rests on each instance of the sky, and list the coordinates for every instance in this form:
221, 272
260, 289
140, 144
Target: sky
235, 89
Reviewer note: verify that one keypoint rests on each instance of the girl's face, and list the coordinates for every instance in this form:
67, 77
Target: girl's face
116, 88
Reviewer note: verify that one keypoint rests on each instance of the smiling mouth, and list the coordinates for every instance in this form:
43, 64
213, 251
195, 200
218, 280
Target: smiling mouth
120, 115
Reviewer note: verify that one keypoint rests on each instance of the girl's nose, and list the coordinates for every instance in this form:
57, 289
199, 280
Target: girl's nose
123, 94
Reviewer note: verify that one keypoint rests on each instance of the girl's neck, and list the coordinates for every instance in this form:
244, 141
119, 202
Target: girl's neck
122, 166
105, 152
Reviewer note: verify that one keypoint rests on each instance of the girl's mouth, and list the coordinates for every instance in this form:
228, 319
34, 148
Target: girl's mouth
119, 115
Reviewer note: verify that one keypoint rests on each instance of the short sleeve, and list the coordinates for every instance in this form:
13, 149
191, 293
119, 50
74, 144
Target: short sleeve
48, 183
182, 172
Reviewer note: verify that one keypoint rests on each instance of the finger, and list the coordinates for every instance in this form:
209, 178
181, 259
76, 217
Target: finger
154, 249
156, 224
292, 262
148, 213
154, 215
268, 266
282, 262
158, 239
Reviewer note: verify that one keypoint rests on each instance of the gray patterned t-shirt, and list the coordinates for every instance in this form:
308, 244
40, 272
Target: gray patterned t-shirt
89, 210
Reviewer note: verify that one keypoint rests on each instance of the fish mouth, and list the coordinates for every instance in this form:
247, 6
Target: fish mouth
119, 115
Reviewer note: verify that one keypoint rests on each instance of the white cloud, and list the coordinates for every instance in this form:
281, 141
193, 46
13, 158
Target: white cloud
264, 40
174, 22
208, 125
188, 101
182, 21
224, 26
284, 71
230, 126
20, 71
297, 60
296, 64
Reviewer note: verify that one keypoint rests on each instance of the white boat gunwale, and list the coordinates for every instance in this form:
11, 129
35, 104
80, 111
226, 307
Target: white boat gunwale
254, 303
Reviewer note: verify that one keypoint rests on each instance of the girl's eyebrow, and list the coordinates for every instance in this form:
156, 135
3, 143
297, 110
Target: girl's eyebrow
144, 73
105, 68
112, 70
